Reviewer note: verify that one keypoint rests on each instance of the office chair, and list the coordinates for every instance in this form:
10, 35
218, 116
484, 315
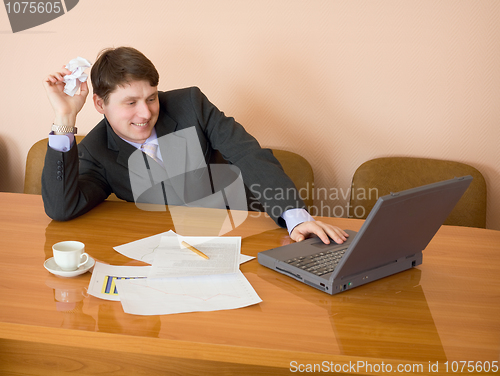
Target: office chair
300, 171
34, 166
381, 176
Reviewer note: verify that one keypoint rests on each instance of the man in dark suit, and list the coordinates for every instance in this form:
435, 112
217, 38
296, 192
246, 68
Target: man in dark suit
136, 117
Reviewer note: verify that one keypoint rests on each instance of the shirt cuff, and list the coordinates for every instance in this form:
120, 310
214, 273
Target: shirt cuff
61, 142
294, 217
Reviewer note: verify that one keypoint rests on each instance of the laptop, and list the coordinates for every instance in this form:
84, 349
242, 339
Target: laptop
391, 240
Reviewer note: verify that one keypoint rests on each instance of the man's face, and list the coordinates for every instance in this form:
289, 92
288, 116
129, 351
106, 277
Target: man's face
132, 110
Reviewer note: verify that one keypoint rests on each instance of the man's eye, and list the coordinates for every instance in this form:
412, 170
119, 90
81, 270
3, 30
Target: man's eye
131, 103
152, 99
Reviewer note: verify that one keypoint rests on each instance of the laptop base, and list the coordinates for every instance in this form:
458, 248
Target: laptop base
344, 283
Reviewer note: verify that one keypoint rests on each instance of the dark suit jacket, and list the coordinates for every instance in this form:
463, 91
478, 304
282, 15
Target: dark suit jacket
74, 182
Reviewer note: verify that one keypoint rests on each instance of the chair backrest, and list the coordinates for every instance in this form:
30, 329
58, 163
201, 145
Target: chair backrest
300, 171
379, 177
34, 166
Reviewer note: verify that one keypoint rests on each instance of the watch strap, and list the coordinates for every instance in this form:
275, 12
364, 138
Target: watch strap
63, 129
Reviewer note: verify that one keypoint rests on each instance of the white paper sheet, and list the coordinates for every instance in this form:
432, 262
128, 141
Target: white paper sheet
186, 294
143, 249
103, 281
77, 67
158, 296
245, 258
172, 259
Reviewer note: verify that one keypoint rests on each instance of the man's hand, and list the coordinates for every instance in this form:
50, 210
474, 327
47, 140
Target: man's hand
322, 230
65, 107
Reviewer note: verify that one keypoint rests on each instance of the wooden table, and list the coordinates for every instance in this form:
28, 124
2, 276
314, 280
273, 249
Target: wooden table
446, 310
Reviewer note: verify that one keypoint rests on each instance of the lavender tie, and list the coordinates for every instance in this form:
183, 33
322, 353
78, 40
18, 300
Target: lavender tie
150, 149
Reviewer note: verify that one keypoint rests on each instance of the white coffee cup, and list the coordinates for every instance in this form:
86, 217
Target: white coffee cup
69, 255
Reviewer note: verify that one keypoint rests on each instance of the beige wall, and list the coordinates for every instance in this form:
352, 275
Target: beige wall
338, 81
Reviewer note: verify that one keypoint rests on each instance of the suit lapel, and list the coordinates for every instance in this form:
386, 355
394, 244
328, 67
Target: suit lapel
165, 124
115, 143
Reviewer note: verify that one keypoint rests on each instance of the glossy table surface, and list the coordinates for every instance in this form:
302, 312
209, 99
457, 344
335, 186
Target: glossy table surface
445, 310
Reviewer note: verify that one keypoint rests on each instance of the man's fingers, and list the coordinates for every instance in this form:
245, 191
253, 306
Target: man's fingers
50, 78
308, 228
300, 238
54, 78
296, 235
337, 236
84, 88
322, 230
334, 232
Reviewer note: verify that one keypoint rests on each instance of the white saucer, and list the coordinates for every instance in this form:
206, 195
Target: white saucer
52, 267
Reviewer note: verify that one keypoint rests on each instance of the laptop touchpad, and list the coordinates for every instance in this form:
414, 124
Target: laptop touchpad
319, 244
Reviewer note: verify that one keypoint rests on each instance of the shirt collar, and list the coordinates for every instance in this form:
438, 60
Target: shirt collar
152, 139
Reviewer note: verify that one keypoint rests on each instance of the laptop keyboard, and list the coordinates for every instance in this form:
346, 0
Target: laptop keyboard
320, 263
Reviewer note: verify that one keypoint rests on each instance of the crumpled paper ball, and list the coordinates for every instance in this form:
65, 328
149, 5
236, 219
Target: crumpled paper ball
77, 67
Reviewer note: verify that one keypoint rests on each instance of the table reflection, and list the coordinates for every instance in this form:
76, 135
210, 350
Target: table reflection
398, 325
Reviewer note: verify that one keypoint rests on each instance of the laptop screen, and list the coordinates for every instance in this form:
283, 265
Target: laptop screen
402, 224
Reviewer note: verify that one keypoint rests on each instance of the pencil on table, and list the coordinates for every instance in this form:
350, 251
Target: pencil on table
198, 252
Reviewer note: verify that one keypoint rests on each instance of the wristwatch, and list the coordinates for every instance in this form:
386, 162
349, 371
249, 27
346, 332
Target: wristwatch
63, 129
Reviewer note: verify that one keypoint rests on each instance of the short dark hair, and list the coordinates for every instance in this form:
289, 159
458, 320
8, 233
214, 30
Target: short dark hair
117, 66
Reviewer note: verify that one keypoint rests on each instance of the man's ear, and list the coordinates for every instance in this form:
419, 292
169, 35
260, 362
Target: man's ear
98, 104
